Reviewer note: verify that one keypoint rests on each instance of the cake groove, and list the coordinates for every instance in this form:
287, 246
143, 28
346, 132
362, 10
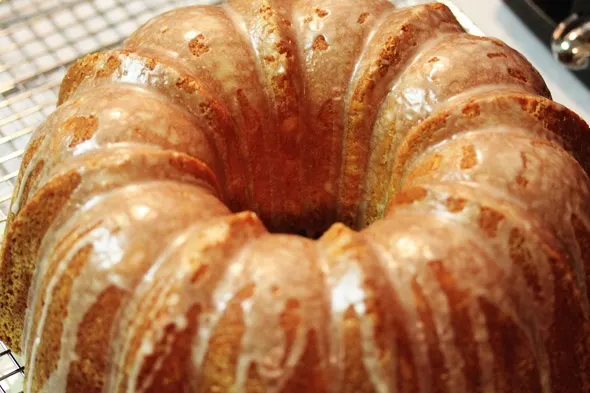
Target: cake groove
152, 243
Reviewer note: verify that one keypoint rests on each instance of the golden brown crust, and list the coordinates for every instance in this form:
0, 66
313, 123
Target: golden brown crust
66, 267
431, 84
182, 88
501, 223
100, 175
542, 117
139, 278
19, 253
80, 70
396, 41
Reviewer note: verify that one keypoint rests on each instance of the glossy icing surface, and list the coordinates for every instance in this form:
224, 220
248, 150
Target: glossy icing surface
450, 193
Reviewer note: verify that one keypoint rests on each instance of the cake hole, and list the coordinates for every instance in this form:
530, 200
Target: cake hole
81, 128
320, 43
362, 18
455, 205
321, 13
469, 157
471, 110
489, 219
150, 64
521, 181
198, 46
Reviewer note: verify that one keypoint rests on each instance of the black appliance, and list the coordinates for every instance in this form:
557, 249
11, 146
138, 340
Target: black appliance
564, 28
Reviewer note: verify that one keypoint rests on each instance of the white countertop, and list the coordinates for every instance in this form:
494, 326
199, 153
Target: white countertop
495, 19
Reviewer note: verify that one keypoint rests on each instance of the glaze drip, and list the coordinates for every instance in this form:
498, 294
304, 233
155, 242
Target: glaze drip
143, 255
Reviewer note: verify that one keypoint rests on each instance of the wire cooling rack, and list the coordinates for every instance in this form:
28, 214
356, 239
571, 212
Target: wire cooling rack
38, 40
11, 372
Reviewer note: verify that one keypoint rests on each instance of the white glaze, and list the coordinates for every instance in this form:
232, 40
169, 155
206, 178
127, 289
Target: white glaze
325, 285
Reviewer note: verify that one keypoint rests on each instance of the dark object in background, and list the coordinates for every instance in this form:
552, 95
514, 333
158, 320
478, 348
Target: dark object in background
557, 10
544, 17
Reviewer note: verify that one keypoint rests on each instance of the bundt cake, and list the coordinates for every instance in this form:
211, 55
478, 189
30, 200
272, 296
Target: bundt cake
294, 196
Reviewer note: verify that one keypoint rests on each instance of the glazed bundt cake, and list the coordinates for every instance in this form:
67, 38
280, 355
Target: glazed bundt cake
294, 196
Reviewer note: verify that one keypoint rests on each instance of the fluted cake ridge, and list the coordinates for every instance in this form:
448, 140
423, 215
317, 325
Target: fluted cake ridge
302, 196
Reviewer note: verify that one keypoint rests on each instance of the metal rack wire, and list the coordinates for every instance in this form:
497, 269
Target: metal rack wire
11, 372
38, 40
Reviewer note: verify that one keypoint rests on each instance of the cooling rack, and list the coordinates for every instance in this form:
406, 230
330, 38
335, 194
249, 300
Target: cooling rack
38, 40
